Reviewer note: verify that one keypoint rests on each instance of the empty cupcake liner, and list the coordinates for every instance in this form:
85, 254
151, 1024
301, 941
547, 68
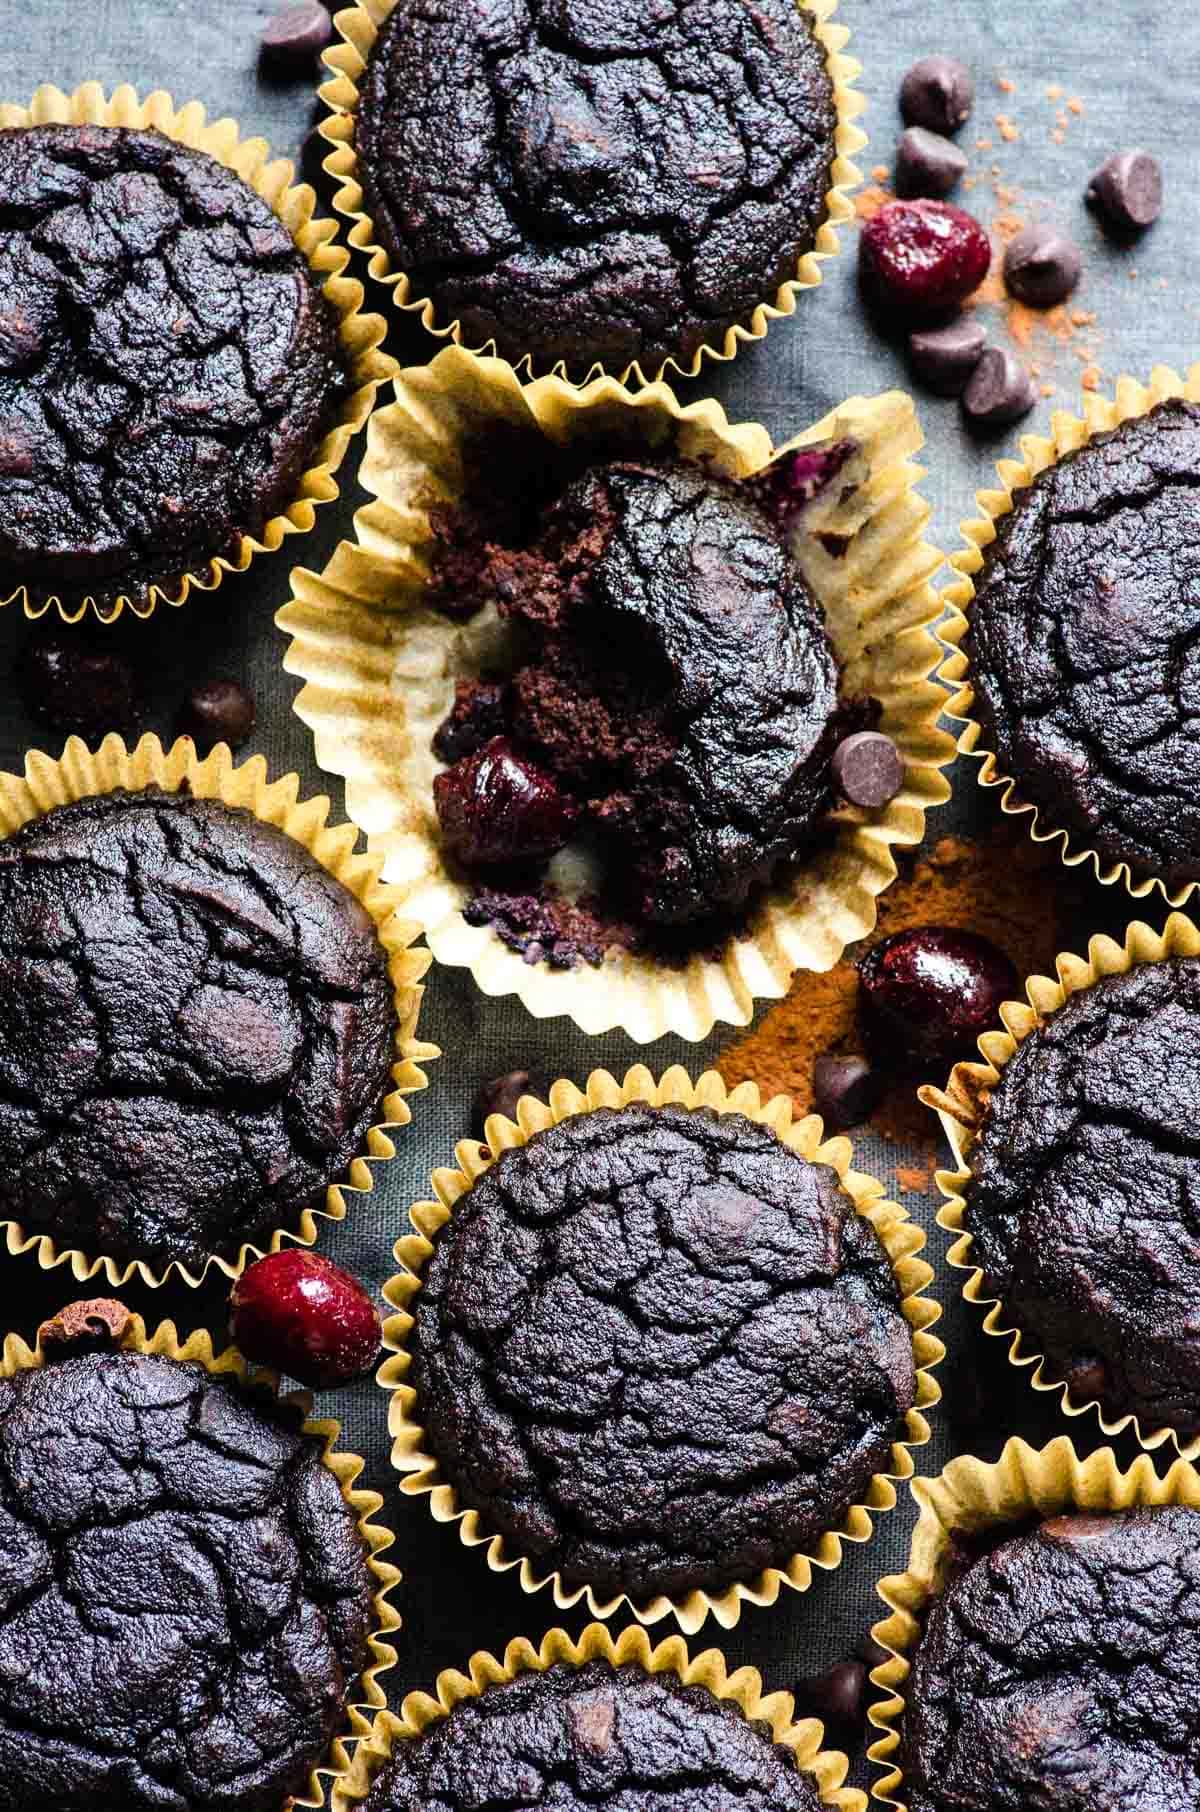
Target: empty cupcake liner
359, 26
971, 1497
81, 774
164, 1341
962, 1109
380, 669
361, 334
1067, 433
744, 1688
901, 1239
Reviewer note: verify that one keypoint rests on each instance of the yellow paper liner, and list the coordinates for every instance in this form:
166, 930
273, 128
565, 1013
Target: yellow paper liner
380, 669
361, 335
900, 1238
81, 773
826, 1767
18, 1356
962, 1109
971, 1496
1067, 433
359, 25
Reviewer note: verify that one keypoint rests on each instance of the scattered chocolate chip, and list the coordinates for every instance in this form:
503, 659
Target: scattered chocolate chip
77, 689
1041, 266
872, 1654
94, 1322
937, 93
868, 769
999, 391
927, 163
846, 1090
220, 711
944, 358
1127, 190
1076, 1527
837, 1697
294, 39
500, 1096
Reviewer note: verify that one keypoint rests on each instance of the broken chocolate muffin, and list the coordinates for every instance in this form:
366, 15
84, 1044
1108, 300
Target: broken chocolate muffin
674, 697
168, 363
601, 182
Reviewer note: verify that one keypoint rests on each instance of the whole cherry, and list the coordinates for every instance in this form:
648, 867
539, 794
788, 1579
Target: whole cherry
301, 1314
500, 807
926, 994
921, 257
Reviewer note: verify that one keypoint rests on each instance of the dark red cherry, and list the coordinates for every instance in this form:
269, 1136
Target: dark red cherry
927, 994
500, 807
301, 1314
922, 256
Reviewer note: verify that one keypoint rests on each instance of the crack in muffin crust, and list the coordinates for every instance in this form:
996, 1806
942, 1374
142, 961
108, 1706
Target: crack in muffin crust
167, 361
196, 1026
658, 1350
184, 1598
610, 1739
606, 182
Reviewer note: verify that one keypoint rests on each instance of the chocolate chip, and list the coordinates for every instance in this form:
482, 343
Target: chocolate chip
294, 39
937, 93
945, 357
868, 769
837, 1697
872, 1654
927, 163
1076, 1527
97, 1321
1087, 1380
77, 689
846, 1090
221, 711
1127, 190
1042, 266
1000, 390
500, 1096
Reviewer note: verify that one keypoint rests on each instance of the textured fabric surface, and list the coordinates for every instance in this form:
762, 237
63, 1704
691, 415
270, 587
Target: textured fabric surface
1133, 70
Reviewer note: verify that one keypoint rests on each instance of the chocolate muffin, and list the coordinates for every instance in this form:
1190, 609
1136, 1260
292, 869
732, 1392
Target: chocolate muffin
168, 365
1082, 644
596, 1737
1060, 1668
1084, 1180
596, 183
185, 1602
196, 1026
658, 1350
675, 696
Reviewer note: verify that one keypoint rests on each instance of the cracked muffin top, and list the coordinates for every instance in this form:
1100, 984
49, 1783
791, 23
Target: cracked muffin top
600, 181
184, 1599
196, 1027
595, 1738
1084, 643
659, 1350
167, 362
1061, 1669
1083, 1192
674, 676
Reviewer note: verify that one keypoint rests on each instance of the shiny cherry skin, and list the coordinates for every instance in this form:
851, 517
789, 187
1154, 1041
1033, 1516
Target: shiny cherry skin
926, 994
921, 257
301, 1314
499, 807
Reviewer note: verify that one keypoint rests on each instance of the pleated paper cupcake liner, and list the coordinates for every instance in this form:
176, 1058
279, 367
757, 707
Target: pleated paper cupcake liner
361, 335
359, 26
744, 1688
901, 1239
1038, 452
971, 1497
962, 1109
380, 667
80, 774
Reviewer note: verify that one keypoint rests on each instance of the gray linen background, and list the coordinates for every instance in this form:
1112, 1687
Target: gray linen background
1136, 69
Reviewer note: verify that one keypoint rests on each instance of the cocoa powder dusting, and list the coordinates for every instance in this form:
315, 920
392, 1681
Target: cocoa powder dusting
1009, 889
